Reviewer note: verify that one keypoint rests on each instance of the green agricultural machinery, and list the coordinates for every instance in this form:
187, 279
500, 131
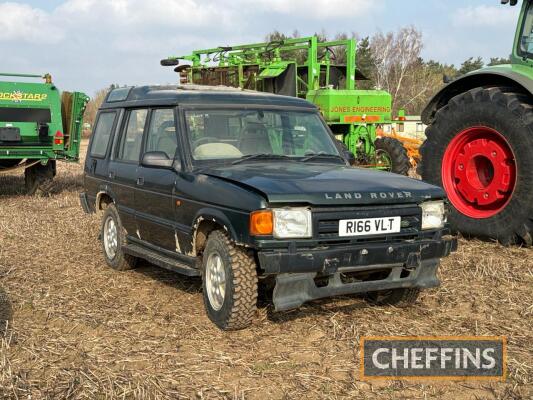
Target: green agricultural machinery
309, 69
38, 126
479, 144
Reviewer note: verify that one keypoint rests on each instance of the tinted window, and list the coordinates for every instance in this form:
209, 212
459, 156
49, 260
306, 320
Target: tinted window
131, 140
102, 133
162, 132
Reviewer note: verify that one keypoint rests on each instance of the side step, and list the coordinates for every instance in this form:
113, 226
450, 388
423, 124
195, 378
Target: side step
160, 260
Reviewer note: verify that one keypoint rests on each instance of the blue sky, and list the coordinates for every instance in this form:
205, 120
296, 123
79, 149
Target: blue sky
89, 44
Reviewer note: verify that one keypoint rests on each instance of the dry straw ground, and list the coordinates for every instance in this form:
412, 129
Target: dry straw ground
77, 329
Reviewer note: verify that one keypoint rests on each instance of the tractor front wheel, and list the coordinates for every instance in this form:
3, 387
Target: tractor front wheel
479, 150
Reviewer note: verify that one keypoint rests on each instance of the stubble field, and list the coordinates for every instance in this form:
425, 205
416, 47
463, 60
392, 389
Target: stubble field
70, 327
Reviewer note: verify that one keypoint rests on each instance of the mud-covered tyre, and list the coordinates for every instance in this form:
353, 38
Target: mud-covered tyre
392, 151
402, 297
112, 238
479, 148
38, 178
229, 282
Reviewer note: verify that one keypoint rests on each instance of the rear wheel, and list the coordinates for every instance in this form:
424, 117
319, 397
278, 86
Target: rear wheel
112, 235
479, 150
391, 155
38, 178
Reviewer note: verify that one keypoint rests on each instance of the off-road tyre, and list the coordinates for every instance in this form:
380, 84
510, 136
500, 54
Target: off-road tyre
396, 152
38, 179
240, 300
402, 297
120, 261
510, 114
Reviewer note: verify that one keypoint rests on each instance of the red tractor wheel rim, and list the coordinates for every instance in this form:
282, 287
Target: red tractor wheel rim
479, 172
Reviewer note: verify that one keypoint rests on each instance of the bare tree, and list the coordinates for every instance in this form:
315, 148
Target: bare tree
93, 105
396, 58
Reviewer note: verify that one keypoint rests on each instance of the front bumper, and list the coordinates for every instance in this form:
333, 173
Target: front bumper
330, 259
353, 269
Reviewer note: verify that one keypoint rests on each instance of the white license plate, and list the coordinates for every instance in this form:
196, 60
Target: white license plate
369, 226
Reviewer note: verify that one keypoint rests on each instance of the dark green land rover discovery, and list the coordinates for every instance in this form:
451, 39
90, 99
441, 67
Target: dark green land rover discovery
247, 189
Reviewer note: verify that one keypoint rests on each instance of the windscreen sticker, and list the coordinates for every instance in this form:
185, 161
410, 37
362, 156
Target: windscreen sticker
17, 96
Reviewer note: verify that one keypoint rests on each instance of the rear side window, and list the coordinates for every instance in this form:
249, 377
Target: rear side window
102, 133
131, 140
162, 133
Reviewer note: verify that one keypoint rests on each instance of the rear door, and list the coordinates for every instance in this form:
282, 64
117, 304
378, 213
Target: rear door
97, 160
154, 196
123, 169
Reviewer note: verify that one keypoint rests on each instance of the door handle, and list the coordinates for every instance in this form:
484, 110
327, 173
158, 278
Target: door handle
111, 174
140, 181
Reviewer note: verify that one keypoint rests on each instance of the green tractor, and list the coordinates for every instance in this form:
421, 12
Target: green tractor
38, 126
479, 144
309, 69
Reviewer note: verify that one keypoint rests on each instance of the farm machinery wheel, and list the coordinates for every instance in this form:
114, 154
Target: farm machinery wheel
479, 150
391, 155
38, 178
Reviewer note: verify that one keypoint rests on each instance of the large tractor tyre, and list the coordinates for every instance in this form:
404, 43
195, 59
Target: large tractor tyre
113, 239
479, 149
390, 151
230, 287
38, 178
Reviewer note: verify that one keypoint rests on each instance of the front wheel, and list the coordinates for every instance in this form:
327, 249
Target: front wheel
229, 283
392, 156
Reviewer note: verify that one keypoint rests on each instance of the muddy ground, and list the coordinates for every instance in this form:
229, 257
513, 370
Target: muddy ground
70, 327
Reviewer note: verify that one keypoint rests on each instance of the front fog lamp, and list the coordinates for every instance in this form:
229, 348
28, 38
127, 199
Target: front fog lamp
292, 223
433, 215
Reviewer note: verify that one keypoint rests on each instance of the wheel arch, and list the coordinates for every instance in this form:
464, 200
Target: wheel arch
104, 196
206, 221
481, 78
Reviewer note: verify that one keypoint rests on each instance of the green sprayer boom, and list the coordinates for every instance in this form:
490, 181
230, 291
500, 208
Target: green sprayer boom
324, 73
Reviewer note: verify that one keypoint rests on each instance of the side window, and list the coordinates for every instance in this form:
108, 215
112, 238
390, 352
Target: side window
162, 132
102, 133
130, 143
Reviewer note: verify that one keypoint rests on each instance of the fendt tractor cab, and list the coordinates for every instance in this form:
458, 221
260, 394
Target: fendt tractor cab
479, 144
309, 69
38, 125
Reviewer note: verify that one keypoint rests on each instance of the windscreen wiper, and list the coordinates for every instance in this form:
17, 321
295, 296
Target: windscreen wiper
259, 156
322, 155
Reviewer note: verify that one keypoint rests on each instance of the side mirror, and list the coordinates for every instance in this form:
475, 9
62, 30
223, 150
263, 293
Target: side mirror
349, 156
156, 159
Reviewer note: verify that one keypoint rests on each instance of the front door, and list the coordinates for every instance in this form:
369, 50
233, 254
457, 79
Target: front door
154, 196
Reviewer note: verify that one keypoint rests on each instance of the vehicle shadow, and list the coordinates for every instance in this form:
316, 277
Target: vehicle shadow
173, 279
6, 312
193, 285
321, 307
13, 185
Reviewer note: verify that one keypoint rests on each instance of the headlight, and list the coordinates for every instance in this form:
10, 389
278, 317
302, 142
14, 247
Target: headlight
433, 215
292, 223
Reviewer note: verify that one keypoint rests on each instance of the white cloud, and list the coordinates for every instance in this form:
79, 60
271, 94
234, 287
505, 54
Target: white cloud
22, 22
318, 9
485, 16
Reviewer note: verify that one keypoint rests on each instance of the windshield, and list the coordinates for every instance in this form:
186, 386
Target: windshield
526, 34
251, 134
